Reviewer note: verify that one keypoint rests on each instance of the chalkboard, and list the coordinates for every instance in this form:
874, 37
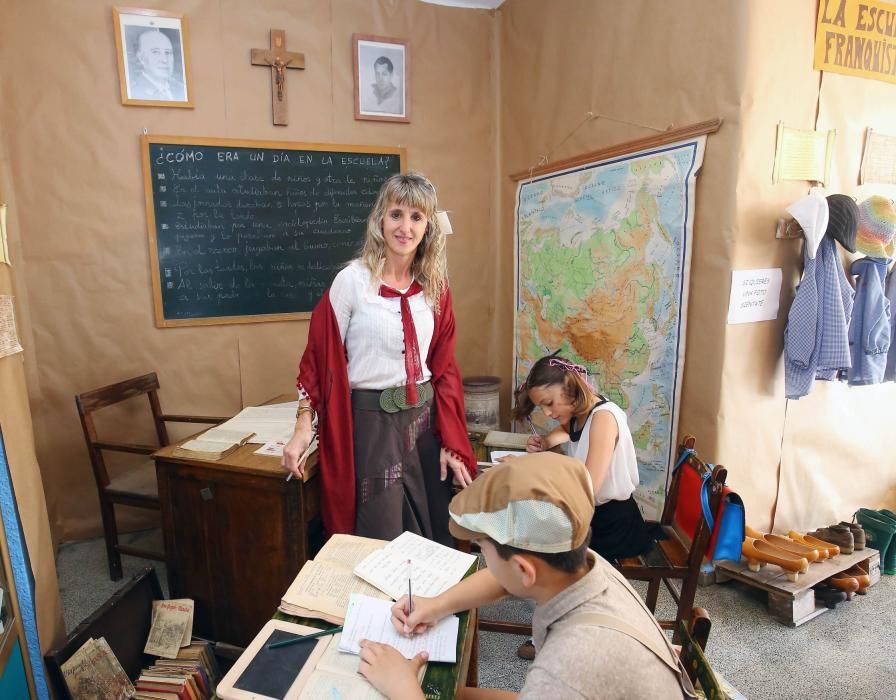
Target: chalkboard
245, 231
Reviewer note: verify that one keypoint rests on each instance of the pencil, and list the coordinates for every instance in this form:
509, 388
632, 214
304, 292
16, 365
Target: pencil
410, 597
296, 640
532, 426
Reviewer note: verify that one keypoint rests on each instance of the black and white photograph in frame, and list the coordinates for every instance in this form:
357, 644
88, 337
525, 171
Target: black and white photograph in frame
153, 57
382, 77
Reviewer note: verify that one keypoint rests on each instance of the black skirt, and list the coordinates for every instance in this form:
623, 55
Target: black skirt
619, 531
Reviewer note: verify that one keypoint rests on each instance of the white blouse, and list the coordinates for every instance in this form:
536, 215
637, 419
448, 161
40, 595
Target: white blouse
622, 475
370, 326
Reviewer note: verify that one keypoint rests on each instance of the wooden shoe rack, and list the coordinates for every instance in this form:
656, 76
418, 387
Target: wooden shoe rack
794, 603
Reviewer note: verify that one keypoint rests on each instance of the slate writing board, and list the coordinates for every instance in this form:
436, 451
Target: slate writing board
246, 231
273, 671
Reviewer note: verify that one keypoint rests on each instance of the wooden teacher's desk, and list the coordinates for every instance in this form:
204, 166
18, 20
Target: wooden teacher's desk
236, 535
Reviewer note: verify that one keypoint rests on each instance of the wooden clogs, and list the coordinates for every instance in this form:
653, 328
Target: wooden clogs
801, 550
758, 551
831, 549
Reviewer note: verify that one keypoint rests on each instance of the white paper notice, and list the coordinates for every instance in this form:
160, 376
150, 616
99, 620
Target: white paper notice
369, 618
755, 295
9, 341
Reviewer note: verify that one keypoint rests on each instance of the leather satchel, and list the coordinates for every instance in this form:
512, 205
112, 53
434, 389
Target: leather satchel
728, 529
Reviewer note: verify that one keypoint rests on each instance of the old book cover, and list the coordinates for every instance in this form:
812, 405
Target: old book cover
323, 586
170, 622
93, 672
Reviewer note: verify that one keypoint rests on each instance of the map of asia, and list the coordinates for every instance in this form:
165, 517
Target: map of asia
602, 260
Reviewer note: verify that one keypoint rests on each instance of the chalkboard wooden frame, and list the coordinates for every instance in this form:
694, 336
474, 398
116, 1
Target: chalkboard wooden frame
147, 141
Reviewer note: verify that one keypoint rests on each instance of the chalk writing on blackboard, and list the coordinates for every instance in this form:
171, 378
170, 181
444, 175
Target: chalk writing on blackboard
244, 231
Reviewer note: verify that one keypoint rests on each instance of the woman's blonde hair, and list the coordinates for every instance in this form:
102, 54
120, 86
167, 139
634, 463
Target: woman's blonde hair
430, 264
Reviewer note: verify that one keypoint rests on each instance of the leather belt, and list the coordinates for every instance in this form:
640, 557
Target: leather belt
391, 400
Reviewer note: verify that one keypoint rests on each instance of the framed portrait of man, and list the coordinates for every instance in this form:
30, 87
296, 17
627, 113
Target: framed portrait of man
382, 78
153, 57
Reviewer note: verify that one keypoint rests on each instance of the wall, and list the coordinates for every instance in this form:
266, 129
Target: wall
751, 64
18, 437
654, 64
81, 242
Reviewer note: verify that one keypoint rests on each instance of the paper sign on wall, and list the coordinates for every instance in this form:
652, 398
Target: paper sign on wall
9, 341
803, 154
856, 37
754, 295
879, 158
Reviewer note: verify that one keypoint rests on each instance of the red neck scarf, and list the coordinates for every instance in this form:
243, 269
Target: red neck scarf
412, 365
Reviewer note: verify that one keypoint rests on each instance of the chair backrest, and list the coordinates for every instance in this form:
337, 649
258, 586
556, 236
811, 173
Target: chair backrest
91, 401
124, 620
682, 509
693, 640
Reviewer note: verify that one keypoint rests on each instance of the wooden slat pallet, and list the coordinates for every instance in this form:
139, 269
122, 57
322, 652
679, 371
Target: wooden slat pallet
794, 603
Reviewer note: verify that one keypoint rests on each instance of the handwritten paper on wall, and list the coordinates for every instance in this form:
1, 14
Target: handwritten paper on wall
879, 159
9, 341
803, 154
754, 295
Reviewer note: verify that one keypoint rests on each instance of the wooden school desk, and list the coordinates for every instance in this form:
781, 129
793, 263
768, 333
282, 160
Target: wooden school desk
236, 535
441, 681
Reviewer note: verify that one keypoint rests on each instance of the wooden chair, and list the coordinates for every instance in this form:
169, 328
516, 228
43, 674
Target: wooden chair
694, 636
124, 621
680, 555
137, 485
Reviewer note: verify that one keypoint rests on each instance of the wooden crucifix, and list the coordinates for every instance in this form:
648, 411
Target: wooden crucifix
278, 59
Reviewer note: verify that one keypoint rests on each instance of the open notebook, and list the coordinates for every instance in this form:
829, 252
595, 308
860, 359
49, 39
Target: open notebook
323, 586
431, 567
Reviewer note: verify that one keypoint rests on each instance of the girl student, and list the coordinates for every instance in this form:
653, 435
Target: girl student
595, 431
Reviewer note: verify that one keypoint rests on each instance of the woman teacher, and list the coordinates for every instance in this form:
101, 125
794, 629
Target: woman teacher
379, 374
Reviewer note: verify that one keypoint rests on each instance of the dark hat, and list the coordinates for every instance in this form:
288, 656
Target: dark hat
843, 220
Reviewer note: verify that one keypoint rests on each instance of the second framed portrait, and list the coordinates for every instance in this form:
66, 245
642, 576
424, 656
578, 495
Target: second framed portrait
382, 78
153, 57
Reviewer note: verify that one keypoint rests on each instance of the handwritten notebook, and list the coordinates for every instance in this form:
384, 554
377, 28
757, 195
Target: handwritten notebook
369, 618
433, 567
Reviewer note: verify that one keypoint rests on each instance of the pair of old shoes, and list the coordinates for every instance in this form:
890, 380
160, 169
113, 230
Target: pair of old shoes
880, 533
847, 536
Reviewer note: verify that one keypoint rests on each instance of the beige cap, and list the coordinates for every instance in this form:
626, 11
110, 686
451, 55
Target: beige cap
542, 502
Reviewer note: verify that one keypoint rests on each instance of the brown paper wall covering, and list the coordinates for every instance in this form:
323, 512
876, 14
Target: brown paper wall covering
493, 93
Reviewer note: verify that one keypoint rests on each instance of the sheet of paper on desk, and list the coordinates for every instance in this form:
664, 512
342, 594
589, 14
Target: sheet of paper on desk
369, 618
434, 567
275, 447
497, 454
269, 423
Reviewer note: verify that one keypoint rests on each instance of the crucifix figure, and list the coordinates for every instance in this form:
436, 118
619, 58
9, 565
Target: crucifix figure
278, 59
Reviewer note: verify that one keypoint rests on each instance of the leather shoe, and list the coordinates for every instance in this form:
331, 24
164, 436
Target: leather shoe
828, 595
526, 650
838, 535
858, 534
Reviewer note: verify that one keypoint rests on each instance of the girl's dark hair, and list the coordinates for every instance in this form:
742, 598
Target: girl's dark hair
549, 371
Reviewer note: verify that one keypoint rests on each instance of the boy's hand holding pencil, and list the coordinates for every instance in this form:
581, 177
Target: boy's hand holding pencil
425, 615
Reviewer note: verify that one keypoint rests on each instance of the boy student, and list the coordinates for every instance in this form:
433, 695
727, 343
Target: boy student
595, 637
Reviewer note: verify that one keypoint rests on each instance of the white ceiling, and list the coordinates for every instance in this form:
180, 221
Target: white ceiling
472, 4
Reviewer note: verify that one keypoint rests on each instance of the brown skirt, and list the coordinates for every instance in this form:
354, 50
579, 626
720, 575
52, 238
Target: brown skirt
397, 485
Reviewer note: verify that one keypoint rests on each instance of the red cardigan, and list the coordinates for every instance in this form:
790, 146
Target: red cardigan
323, 373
